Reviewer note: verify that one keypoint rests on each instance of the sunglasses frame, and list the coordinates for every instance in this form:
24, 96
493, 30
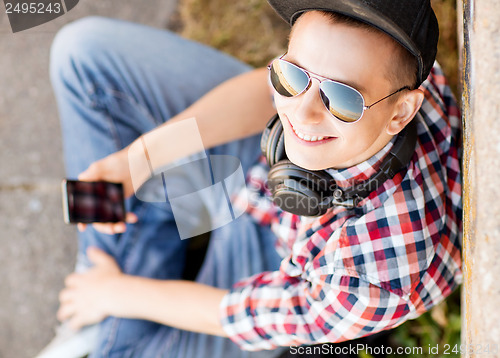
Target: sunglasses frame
321, 79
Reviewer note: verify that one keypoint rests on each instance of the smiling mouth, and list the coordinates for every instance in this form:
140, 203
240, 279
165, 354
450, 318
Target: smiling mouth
307, 137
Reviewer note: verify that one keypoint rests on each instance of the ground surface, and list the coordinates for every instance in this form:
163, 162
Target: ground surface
36, 248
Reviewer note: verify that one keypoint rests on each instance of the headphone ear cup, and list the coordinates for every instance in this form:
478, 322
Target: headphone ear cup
298, 190
272, 143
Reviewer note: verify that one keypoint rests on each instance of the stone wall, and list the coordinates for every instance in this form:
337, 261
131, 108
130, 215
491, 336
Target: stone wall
481, 108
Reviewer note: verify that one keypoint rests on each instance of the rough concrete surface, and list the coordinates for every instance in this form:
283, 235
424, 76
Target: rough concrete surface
481, 331
37, 249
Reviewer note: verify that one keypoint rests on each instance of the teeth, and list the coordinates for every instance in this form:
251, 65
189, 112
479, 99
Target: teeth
307, 137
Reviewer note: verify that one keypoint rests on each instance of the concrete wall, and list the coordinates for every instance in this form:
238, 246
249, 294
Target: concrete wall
481, 110
36, 249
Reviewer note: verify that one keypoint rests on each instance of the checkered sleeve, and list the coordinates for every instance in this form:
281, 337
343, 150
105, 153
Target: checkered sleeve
272, 309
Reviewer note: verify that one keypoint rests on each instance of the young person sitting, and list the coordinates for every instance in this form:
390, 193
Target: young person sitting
360, 107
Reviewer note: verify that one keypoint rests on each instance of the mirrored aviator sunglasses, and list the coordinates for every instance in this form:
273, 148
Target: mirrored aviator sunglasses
342, 101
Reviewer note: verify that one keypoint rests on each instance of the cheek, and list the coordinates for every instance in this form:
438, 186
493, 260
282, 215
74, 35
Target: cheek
353, 132
278, 102
359, 135
284, 103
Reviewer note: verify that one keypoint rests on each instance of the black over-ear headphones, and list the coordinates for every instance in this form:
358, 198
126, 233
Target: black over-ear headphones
312, 192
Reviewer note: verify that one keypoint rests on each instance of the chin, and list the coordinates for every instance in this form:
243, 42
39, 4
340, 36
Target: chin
312, 158
307, 162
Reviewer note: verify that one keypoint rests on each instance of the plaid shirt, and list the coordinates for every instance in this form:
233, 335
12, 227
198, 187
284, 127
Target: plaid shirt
354, 272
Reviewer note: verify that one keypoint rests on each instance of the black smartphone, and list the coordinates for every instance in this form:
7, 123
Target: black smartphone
91, 202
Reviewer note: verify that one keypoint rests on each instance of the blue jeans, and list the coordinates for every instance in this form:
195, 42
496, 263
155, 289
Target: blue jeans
114, 81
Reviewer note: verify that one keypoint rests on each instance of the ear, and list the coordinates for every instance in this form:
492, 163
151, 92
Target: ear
405, 109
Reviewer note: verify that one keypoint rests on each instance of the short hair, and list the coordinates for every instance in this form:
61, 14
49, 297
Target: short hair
404, 71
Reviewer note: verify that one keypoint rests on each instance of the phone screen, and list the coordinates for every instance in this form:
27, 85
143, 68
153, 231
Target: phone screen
90, 202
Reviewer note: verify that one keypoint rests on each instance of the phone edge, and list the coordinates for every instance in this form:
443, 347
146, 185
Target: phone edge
65, 204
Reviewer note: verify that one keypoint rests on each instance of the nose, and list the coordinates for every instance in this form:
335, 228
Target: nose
310, 108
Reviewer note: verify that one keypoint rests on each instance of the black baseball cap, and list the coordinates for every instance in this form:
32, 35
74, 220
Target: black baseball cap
412, 23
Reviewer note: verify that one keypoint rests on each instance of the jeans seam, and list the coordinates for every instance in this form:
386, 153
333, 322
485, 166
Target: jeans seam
168, 342
111, 338
133, 240
116, 321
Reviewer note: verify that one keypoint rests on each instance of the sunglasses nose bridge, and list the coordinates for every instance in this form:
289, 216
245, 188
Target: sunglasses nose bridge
311, 105
311, 78
320, 81
320, 92
310, 83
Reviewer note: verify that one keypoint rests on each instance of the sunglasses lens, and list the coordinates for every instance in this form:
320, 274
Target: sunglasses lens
287, 79
342, 101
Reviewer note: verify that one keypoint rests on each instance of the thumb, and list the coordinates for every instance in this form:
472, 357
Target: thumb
99, 257
89, 174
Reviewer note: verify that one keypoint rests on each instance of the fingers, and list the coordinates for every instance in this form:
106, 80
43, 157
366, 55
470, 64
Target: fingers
70, 281
80, 300
131, 218
110, 228
66, 311
65, 296
67, 306
92, 173
114, 228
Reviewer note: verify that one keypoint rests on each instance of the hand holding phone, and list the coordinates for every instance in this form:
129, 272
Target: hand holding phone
93, 202
113, 168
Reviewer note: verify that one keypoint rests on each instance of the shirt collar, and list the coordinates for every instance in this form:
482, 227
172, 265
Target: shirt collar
360, 172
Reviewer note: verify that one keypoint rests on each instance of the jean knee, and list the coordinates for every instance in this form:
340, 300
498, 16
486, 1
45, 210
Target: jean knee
79, 42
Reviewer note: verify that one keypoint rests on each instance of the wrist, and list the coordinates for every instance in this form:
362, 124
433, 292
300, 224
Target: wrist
113, 297
139, 163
